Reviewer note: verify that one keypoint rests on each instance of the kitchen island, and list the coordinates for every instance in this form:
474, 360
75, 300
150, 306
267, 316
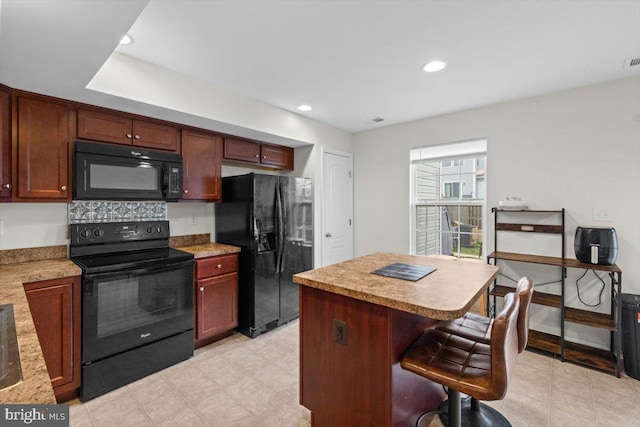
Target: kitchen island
354, 327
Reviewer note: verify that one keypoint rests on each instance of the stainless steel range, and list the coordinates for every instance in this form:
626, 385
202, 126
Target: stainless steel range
137, 302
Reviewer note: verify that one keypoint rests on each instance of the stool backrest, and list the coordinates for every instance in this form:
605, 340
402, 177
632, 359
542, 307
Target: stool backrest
504, 345
525, 292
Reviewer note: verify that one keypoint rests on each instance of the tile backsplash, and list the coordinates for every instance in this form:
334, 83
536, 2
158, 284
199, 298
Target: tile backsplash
79, 212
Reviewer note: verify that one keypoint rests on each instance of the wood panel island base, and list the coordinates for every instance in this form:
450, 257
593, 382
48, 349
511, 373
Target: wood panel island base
354, 327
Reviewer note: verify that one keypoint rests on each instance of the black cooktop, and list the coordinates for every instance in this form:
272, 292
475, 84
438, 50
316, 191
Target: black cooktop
131, 259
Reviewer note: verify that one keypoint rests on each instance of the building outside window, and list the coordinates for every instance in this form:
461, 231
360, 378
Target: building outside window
448, 199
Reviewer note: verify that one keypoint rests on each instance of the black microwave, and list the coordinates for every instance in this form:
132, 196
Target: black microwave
114, 172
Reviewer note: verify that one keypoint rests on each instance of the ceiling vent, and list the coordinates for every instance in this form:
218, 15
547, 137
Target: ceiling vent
632, 63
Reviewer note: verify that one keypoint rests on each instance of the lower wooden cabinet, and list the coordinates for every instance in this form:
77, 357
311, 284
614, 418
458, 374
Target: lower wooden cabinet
216, 297
55, 308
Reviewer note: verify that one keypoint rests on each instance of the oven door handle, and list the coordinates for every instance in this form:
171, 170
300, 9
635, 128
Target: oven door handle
137, 270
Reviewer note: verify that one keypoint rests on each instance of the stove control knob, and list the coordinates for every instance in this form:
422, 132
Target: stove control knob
85, 233
149, 229
99, 232
159, 229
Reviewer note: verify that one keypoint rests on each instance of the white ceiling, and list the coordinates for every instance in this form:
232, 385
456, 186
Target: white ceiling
351, 60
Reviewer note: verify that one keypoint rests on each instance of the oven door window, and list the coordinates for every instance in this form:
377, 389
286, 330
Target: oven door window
132, 308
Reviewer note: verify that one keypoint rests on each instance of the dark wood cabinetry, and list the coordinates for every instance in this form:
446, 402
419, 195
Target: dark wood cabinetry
559, 344
202, 160
256, 154
117, 129
216, 297
41, 154
55, 308
5, 143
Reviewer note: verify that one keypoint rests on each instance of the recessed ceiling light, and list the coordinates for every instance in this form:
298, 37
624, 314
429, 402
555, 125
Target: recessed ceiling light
304, 107
434, 66
127, 39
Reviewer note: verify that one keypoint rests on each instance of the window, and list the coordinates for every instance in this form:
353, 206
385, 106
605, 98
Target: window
448, 199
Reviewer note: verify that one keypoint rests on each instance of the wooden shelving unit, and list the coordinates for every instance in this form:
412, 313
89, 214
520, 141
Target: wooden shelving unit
606, 360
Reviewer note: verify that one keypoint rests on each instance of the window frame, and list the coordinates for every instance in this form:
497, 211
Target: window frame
441, 201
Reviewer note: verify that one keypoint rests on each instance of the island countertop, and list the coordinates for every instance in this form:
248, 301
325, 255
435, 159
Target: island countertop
445, 294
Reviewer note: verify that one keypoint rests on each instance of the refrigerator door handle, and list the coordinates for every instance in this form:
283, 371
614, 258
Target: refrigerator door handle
280, 230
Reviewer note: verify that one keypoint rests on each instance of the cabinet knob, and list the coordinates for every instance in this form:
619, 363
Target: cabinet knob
63, 188
136, 136
201, 289
186, 191
264, 157
129, 135
219, 265
258, 155
7, 186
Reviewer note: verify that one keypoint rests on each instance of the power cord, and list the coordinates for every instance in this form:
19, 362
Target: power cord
601, 289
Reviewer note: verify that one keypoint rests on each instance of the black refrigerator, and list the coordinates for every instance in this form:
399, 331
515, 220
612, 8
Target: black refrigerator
270, 218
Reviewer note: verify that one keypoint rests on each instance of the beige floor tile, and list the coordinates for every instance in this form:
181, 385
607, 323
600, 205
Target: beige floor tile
535, 360
218, 409
561, 418
185, 418
256, 397
79, 416
122, 412
581, 406
604, 383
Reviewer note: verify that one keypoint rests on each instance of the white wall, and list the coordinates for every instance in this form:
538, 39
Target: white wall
578, 149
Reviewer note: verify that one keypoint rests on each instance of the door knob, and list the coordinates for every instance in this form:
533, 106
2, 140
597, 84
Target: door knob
63, 188
328, 235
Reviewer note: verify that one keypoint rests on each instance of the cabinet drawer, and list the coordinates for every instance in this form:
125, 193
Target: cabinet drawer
216, 266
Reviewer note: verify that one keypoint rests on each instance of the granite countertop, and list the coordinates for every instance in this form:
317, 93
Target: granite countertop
35, 387
209, 249
445, 294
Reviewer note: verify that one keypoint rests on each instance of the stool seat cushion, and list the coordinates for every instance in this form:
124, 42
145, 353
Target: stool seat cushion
471, 326
453, 361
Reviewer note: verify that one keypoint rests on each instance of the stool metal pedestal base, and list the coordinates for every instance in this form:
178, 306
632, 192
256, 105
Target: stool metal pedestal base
474, 414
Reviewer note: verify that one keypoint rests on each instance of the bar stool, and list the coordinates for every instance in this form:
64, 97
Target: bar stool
478, 328
480, 370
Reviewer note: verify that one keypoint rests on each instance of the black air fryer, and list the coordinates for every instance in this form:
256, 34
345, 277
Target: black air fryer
595, 245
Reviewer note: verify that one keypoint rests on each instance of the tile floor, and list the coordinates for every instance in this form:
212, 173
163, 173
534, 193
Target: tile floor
244, 382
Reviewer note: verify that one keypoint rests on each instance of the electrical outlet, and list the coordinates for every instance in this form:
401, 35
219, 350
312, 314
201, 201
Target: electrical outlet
600, 214
194, 219
340, 331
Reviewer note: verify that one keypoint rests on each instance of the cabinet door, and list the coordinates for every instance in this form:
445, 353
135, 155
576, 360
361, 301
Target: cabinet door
42, 150
242, 150
277, 156
202, 165
153, 135
5, 144
216, 305
104, 127
55, 308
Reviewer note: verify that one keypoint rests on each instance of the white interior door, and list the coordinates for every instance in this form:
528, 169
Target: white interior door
337, 225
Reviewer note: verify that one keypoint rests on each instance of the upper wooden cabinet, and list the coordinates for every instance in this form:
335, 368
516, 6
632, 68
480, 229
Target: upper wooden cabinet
41, 149
202, 164
99, 126
241, 150
276, 156
256, 154
5, 143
